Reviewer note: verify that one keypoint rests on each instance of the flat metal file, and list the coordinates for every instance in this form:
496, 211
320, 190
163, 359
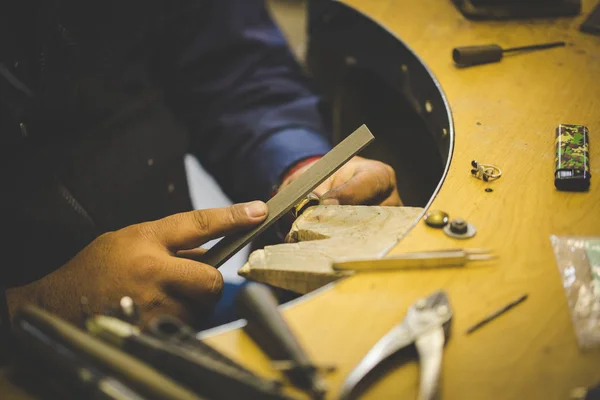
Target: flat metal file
289, 196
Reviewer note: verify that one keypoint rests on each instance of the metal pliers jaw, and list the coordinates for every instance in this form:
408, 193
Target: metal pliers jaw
427, 326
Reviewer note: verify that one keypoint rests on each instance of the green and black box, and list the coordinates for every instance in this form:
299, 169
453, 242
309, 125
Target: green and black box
572, 159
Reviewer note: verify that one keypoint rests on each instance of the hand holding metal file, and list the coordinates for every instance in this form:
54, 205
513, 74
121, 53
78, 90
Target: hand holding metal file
289, 196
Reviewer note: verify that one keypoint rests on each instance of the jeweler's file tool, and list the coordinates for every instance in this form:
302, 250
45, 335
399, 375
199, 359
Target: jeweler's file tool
427, 326
272, 334
289, 196
199, 371
416, 260
473, 55
131, 371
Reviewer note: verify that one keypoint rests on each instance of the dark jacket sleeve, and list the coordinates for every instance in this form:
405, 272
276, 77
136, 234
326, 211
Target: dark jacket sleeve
230, 76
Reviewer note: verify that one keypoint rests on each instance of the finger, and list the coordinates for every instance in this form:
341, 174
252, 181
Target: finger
323, 188
192, 229
191, 282
393, 200
193, 254
367, 186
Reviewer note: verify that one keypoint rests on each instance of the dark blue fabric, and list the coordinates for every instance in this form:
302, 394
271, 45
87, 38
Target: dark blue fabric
233, 80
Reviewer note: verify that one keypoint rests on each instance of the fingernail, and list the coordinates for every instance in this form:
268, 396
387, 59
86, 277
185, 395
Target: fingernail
330, 202
256, 209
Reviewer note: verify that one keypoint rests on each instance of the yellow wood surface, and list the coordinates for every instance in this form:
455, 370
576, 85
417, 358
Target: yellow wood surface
504, 114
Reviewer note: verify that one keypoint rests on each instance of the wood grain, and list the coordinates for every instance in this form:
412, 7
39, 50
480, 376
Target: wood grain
323, 234
504, 114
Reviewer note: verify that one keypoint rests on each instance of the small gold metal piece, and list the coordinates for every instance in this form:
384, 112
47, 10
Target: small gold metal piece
309, 201
436, 218
485, 172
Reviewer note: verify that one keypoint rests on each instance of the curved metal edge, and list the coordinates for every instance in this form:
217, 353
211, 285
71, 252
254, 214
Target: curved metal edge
450, 126
311, 295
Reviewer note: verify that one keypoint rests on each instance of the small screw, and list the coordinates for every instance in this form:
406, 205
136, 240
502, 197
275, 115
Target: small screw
489, 190
458, 226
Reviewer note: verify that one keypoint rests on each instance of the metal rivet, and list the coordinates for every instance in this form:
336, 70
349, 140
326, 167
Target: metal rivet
150, 162
171, 188
437, 218
428, 106
404, 68
350, 60
23, 128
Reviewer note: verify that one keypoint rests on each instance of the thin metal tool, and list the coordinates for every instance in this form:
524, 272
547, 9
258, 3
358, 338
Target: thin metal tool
269, 330
132, 372
196, 370
497, 313
473, 55
172, 330
84, 378
289, 196
427, 326
417, 260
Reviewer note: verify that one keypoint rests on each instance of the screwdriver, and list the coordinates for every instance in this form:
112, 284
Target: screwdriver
266, 326
472, 55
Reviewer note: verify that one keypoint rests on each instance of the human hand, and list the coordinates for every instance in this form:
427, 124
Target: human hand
151, 262
359, 181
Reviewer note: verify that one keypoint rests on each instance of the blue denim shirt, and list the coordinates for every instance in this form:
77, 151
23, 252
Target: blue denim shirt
241, 93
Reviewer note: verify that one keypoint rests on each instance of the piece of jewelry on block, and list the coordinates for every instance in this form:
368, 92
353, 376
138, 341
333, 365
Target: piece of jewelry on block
485, 172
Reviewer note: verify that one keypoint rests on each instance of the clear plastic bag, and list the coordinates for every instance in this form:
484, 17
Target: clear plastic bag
578, 261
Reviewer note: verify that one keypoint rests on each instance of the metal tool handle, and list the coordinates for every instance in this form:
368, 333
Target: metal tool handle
133, 372
430, 347
267, 327
269, 330
471, 55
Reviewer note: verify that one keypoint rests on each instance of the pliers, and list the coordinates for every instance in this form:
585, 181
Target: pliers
427, 326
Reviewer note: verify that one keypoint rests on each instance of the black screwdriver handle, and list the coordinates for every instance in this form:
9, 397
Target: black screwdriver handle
257, 304
471, 55
272, 334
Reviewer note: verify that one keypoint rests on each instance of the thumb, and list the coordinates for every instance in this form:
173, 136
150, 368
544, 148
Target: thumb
191, 229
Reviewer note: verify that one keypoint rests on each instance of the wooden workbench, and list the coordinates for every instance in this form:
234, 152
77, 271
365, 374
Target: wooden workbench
504, 114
